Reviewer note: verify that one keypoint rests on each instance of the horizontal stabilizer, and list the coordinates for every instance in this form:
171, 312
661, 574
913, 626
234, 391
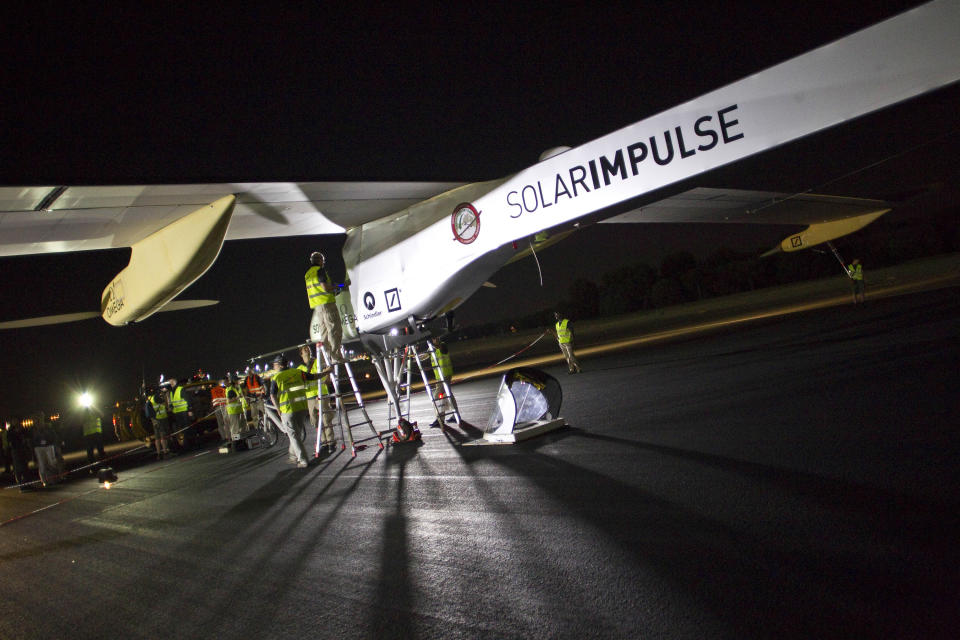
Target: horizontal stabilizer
45, 320
180, 305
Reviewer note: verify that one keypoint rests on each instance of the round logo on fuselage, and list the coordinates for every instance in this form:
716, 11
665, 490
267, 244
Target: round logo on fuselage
369, 301
465, 223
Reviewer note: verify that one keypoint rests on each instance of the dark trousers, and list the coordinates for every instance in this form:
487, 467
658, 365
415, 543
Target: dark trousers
20, 461
94, 440
182, 421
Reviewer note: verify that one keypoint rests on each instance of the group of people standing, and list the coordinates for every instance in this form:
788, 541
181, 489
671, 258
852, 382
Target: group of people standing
43, 444
167, 406
40, 443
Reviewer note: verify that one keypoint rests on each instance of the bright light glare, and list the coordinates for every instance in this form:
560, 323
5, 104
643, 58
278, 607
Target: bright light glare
106, 485
394, 331
85, 399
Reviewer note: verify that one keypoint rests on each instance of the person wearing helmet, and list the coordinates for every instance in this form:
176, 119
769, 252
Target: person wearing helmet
288, 392
321, 294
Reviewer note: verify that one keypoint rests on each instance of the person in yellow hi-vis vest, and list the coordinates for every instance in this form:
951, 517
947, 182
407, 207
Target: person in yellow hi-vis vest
288, 393
441, 363
182, 415
316, 404
157, 407
310, 366
855, 271
236, 405
322, 296
565, 338
92, 434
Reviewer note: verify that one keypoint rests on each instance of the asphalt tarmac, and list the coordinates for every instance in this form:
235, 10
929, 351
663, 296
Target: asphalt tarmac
795, 476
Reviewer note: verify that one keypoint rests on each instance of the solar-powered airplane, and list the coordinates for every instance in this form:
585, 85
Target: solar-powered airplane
415, 251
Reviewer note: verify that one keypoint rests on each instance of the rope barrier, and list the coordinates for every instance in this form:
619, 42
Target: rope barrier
64, 474
511, 357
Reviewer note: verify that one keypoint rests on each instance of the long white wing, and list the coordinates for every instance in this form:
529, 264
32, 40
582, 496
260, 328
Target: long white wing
52, 219
752, 207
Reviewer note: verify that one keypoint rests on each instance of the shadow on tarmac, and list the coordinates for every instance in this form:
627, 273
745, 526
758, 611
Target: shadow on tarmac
729, 568
258, 553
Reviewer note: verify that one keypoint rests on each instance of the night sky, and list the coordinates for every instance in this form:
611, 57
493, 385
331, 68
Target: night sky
138, 95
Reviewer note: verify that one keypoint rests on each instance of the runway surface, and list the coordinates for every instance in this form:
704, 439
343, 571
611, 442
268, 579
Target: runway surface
795, 477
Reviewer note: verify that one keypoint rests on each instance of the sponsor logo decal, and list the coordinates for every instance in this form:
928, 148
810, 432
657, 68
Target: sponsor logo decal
347, 318
369, 301
709, 131
114, 300
796, 241
393, 299
465, 223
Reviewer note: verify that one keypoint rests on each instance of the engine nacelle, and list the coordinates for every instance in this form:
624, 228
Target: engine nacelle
166, 262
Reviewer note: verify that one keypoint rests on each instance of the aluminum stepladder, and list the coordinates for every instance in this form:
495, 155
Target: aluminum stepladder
438, 390
403, 365
342, 410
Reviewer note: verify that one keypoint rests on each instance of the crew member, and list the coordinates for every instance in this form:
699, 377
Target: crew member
565, 338
288, 394
440, 360
328, 441
310, 366
44, 441
855, 271
180, 408
235, 410
19, 441
325, 403
321, 294
218, 400
253, 388
92, 434
161, 422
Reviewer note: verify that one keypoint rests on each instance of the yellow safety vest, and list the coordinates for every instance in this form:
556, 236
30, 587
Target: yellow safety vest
91, 425
312, 384
315, 295
291, 396
855, 271
159, 408
177, 403
564, 335
236, 404
441, 361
